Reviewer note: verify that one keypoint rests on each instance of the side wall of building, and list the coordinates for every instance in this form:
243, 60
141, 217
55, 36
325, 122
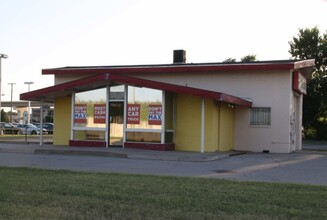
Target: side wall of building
226, 127
62, 121
271, 89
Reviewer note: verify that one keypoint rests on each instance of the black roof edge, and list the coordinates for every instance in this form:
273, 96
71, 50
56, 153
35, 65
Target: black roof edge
179, 64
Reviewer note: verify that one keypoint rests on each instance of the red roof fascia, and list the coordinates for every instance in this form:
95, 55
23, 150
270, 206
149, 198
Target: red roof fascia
105, 79
169, 69
63, 87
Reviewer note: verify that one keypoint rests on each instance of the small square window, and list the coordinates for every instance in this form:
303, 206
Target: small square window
260, 116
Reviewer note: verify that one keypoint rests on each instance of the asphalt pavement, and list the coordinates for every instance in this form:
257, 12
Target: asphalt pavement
307, 166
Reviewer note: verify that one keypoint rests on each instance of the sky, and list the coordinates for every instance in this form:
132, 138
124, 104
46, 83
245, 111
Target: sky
41, 34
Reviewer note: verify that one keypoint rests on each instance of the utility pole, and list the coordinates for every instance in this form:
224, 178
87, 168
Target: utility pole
29, 104
4, 56
12, 85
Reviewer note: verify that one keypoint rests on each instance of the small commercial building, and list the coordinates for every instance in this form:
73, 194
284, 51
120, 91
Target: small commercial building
201, 107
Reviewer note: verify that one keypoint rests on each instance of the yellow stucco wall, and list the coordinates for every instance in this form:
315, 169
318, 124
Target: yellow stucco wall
211, 125
187, 122
219, 125
62, 119
226, 128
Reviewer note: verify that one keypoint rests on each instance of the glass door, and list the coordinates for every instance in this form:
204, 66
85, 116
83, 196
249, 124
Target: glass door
116, 123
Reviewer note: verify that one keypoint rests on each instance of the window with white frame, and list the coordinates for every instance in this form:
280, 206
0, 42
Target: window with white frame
260, 116
143, 115
89, 115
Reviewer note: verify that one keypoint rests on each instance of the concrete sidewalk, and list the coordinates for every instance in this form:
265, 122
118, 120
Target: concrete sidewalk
34, 148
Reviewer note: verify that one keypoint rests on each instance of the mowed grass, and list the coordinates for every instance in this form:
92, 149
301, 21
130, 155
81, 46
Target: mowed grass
22, 138
14, 137
43, 194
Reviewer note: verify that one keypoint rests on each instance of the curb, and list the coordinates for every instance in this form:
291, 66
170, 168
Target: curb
179, 158
26, 143
80, 152
26, 151
130, 155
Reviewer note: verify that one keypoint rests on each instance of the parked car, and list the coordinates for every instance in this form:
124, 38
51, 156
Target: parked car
31, 129
15, 124
48, 126
7, 128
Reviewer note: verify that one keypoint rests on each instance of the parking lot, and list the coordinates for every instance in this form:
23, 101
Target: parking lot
307, 166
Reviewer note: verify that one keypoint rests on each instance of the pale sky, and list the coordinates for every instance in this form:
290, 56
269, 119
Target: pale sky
40, 34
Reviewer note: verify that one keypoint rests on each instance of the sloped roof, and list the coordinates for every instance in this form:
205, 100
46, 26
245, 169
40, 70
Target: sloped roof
184, 68
101, 80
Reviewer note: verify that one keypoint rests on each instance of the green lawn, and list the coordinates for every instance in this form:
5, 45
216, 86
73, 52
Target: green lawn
42, 194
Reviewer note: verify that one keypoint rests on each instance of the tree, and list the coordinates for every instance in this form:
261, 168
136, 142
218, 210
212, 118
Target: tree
249, 58
49, 117
4, 116
309, 44
229, 60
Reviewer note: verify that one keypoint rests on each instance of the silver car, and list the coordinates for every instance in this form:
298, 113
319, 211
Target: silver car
31, 129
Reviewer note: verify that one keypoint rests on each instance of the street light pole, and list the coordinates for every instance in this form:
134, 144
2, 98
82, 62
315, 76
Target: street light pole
12, 85
4, 56
29, 104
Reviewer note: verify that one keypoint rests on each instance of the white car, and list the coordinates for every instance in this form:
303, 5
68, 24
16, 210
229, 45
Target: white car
31, 129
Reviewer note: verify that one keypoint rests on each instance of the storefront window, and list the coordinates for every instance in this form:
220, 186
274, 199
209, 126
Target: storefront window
90, 109
90, 135
144, 115
117, 93
89, 115
140, 116
139, 136
144, 108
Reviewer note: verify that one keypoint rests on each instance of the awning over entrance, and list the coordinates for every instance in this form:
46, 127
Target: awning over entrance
50, 93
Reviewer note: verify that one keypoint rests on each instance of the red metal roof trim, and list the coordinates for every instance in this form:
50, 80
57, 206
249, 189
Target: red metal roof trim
61, 88
105, 79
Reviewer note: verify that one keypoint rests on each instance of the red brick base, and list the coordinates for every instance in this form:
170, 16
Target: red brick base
75, 143
131, 145
150, 146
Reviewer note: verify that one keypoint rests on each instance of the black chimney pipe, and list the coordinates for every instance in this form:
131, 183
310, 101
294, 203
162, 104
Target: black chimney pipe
179, 56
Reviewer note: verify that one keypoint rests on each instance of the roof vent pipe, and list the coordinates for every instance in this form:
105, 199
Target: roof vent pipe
179, 56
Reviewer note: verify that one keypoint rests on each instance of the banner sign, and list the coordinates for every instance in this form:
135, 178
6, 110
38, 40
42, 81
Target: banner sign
155, 112
80, 113
99, 114
133, 113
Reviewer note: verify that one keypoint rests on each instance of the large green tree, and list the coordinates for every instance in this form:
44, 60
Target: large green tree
310, 44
